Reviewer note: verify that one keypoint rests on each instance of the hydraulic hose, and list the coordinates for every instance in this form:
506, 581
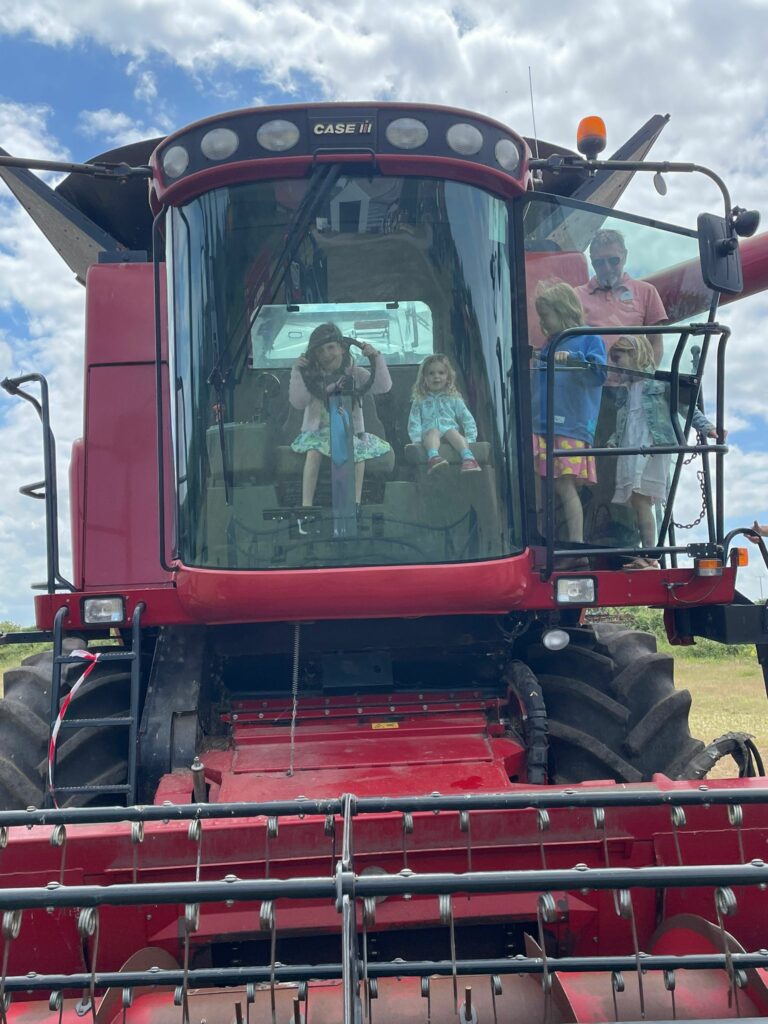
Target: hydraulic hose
525, 687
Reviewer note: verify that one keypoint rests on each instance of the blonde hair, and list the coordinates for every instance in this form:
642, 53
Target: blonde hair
420, 389
562, 301
641, 353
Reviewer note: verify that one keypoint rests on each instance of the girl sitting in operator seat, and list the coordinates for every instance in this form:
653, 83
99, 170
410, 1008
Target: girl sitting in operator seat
316, 375
439, 413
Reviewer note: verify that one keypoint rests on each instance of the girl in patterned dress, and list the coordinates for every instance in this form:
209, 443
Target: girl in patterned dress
316, 375
643, 420
439, 413
580, 371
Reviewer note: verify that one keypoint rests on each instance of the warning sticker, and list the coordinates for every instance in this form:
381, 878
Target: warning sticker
385, 725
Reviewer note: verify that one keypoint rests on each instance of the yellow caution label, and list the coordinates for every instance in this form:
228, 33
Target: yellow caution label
385, 725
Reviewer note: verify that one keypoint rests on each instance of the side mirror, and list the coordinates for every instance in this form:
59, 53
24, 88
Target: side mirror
719, 255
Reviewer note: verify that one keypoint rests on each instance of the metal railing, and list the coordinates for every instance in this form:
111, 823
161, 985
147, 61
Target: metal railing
715, 518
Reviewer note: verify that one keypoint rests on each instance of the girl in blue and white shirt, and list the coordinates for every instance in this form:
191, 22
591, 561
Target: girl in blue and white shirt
439, 413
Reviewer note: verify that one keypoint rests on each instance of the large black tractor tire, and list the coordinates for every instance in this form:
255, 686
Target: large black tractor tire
612, 708
96, 756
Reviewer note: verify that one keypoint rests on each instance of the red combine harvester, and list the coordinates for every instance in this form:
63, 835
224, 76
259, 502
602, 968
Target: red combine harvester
353, 747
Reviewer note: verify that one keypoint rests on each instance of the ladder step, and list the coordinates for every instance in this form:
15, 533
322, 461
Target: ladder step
93, 789
67, 659
127, 718
93, 723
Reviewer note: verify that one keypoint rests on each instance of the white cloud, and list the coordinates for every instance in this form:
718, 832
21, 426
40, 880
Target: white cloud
115, 129
24, 131
146, 86
37, 287
444, 53
474, 57
6, 358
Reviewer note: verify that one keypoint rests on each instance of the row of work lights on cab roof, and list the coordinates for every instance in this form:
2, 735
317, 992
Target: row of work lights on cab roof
255, 135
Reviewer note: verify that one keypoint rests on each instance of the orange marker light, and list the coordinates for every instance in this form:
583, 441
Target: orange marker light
591, 136
708, 567
742, 556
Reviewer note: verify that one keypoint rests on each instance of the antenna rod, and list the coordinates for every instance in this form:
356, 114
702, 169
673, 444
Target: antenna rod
533, 113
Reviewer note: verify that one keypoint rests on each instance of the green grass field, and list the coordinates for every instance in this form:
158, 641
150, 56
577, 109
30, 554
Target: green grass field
728, 695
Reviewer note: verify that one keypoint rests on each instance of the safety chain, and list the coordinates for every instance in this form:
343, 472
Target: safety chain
700, 478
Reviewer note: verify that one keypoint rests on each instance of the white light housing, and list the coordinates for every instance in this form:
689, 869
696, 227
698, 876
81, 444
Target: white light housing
575, 590
219, 143
555, 639
407, 133
175, 161
464, 139
103, 610
278, 136
507, 155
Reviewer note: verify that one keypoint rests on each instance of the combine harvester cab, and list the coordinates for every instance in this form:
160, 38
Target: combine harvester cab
354, 746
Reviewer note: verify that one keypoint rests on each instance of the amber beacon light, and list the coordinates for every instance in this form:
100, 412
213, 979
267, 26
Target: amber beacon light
591, 136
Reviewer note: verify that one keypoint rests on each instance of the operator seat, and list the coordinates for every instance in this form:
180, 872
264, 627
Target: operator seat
248, 440
290, 463
415, 455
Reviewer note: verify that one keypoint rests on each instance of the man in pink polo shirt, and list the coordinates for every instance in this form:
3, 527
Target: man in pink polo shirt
614, 299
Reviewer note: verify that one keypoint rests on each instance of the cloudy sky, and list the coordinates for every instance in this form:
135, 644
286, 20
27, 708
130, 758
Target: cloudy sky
79, 78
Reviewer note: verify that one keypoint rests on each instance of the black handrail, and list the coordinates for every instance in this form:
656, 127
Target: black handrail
13, 386
685, 332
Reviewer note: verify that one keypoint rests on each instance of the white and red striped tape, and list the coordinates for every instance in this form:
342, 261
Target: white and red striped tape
86, 656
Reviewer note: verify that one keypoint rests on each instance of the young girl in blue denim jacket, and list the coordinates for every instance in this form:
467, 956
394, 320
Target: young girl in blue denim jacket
439, 413
643, 420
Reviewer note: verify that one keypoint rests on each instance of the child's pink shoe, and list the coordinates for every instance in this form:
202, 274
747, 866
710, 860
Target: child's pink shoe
435, 462
470, 466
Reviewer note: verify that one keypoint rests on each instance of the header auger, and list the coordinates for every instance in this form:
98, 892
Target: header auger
326, 726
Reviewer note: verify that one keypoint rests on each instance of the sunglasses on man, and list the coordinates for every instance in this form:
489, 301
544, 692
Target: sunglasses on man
606, 261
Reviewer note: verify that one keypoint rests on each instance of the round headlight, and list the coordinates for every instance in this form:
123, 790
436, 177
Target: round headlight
175, 161
464, 139
555, 639
219, 143
277, 136
407, 133
507, 155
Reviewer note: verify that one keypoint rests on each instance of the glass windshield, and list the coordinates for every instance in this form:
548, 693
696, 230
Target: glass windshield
402, 331
611, 386
342, 350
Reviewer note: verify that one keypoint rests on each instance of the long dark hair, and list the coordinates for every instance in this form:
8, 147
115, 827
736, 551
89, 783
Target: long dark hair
315, 379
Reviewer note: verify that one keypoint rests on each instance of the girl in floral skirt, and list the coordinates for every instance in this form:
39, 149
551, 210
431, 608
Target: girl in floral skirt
316, 375
580, 371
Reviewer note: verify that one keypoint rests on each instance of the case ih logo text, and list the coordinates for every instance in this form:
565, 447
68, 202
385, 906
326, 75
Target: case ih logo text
343, 128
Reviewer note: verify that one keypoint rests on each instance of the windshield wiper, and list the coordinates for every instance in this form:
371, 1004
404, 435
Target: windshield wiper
321, 182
